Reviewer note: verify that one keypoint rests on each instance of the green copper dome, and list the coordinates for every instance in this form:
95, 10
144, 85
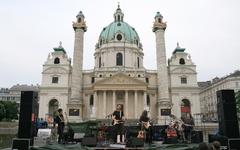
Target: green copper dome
110, 32
119, 31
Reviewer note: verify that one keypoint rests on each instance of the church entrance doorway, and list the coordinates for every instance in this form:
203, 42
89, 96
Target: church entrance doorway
185, 107
53, 107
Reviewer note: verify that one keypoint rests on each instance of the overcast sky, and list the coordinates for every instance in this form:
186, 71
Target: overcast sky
29, 29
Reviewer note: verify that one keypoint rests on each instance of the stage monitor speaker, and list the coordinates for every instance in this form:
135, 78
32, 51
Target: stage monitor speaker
135, 142
222, 139
28, 115
20, 144
89, 141
227, 113
197, 136
234, 144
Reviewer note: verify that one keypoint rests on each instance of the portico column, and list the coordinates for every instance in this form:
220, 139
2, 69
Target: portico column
94, 110
104, 104
135, 104
126, 104
145, 100
114, 100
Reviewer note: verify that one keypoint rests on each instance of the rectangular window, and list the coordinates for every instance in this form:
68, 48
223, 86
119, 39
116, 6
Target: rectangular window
54, 79
183, 80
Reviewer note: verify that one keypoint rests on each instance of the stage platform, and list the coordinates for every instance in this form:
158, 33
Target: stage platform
154, 146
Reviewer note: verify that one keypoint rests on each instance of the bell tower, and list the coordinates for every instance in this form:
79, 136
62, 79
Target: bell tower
163, 100
76, 100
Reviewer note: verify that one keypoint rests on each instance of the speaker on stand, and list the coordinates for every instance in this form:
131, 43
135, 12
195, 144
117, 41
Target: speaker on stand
27, 119
227, 114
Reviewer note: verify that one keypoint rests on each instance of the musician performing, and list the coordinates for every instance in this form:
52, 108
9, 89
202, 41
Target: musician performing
60, 121
146, 127
118, 123
187, 126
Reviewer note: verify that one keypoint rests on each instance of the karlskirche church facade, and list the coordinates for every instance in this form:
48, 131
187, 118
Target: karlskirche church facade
119, 77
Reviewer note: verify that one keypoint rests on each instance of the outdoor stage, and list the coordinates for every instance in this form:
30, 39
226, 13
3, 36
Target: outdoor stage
154, 146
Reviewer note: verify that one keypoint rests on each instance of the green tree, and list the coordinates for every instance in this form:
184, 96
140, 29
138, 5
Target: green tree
11, 110
238, 103
2, 111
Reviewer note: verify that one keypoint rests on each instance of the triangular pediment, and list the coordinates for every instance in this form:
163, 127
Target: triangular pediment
120, 79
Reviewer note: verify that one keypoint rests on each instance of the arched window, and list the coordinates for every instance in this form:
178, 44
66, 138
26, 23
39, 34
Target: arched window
138, 62
181, 61
159, 20
119, 59
91, 101
148, 100
56, 60
118, 18
99, 62
185, 107
79, 20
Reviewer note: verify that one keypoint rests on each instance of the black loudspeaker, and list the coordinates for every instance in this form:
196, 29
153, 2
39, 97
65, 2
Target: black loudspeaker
234, 144
227, 113
28, 115
20, 144
172, 140
135, 142
196, 136
89, 141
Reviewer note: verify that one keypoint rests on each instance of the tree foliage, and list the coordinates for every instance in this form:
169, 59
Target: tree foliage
8, 110
2, 111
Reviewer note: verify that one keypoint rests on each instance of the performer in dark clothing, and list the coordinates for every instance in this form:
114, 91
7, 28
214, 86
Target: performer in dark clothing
188, 126
60, 121
145, 125
118, 122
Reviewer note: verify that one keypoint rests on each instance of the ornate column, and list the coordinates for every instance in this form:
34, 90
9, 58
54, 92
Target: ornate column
104, 104
75, 103
163, 99
126, 103
114, 100
135, 104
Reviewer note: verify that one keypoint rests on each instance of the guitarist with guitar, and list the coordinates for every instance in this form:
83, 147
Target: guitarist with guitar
144, 121
60, 121
118, 123
188, 126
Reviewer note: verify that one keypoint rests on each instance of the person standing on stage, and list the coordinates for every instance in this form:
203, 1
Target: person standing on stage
60, 121
145, 123
188, 126
118, 122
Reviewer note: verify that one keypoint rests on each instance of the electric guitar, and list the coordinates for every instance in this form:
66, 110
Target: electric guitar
115, 121
147, 124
